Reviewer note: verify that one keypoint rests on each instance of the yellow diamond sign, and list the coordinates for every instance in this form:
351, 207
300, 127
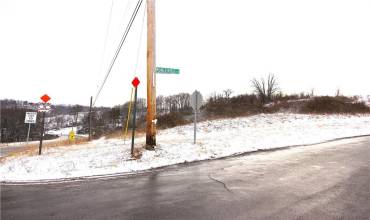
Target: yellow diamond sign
71, 135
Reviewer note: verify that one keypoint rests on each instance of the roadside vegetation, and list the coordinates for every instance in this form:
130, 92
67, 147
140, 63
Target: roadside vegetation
175, 110
334, 105
33, 148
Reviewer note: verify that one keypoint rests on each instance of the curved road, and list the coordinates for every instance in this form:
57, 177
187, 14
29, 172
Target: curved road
326, 181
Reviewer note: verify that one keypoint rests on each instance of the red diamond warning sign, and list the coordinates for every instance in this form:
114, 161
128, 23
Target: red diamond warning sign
45, 98
135, 82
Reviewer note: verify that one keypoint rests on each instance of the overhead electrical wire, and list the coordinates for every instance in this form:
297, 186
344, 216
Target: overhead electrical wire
106, 38
133, 16
140, 40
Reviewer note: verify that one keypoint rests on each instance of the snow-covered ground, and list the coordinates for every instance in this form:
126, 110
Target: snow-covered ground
63, 120
62, 132
216, 139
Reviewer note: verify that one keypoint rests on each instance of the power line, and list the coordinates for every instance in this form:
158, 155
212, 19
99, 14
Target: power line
119, 48
133, 16
106, 38
140, 39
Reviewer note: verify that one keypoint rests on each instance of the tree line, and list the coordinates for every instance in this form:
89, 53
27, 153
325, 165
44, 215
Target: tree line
171, 110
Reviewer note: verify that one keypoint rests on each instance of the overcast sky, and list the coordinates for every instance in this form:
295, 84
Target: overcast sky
57, 47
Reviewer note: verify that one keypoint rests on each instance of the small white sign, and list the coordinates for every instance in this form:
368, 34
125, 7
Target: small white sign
44, 107
30, 117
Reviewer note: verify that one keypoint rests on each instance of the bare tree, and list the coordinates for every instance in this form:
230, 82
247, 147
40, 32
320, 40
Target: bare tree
272, 87
74, 111
184, 100
337, 93
59, 121
141, 107
265, 91
260, 89
169, 104
160, 104
227, 93
312, 92
114, 115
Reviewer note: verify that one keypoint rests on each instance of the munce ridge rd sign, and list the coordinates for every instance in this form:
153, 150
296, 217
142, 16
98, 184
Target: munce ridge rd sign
164, 70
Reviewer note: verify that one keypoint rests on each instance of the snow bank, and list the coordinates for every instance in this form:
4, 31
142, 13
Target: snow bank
216, 139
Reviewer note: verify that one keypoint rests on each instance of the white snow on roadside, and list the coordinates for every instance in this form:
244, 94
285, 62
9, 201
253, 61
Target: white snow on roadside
216, 139
62, 131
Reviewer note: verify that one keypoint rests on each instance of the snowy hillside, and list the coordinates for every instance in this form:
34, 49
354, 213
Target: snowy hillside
64, 120
216, 139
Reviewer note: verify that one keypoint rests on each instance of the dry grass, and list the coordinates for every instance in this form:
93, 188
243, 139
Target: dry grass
119, 134
33, 149
66, 143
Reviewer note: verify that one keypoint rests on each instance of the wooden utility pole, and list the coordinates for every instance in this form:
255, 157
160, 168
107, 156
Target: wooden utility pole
151, 78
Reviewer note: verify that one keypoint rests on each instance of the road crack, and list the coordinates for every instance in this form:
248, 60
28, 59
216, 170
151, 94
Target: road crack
218, 181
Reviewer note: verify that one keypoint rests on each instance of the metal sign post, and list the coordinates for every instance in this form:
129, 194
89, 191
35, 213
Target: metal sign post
30, 119
135, 83
44, 107
196, 100
28, 133
42, 132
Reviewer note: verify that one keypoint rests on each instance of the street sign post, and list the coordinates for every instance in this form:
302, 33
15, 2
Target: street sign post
196, 100
30, 119
163, 70
44, 107
135, 83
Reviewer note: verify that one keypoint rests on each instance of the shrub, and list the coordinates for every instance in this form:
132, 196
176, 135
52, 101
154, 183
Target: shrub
170, 120
234, 106
332, 105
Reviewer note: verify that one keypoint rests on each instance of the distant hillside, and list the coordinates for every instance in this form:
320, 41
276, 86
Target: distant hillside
171, 111
13, 128
56, 109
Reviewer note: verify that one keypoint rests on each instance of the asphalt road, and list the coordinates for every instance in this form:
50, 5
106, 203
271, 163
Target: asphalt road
327, 181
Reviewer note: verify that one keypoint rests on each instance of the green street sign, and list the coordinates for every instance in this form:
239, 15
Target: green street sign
167, 70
